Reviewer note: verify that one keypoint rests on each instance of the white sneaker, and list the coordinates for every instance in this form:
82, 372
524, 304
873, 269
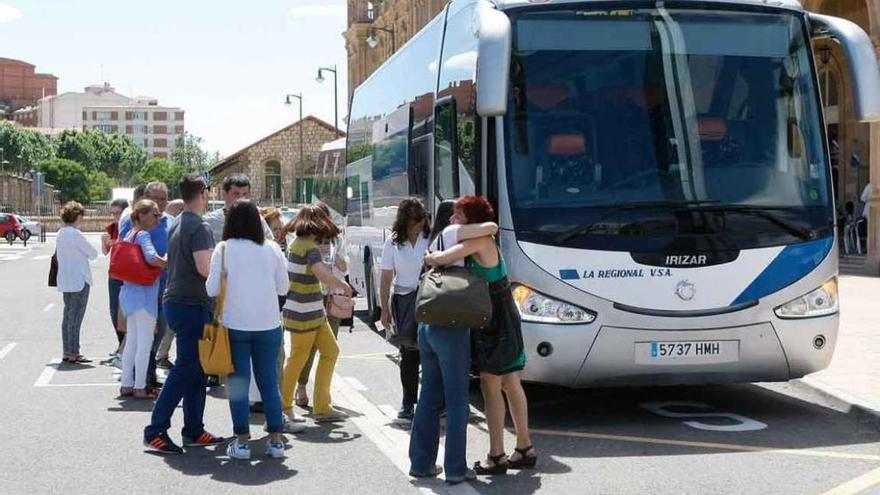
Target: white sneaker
237, 450
275, 450
292, 426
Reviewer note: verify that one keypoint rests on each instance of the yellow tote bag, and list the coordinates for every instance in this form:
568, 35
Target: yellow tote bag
215, 352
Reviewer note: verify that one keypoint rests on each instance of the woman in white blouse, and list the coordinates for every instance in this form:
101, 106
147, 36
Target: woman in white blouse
402, 260
73, 252
256, 274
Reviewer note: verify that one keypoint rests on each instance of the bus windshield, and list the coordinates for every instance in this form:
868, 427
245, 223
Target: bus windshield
656, 129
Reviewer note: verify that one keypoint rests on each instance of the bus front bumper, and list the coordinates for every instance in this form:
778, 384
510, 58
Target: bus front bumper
603, 356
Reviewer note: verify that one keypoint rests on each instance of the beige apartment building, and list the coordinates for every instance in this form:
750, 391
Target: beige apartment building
154, 127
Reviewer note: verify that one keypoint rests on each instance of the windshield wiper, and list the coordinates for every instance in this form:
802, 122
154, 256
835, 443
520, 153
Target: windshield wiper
768, 214
580, 230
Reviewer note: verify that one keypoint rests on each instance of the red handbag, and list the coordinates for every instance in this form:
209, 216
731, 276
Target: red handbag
127, 263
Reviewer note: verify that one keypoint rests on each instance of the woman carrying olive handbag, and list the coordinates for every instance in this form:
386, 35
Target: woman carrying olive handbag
500, 353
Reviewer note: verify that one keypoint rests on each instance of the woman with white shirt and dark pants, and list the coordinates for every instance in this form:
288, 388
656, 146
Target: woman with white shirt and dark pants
73, 252
256, 274
402, 261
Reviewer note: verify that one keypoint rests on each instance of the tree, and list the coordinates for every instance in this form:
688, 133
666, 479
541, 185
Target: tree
100, 186
189, 153
114, 154
23, 148
69, 177
158, 169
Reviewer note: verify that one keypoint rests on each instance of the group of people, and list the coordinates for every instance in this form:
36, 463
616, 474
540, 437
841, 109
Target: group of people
237, 262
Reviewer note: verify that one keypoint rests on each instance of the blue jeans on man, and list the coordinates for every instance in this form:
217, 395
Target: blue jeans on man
446, 361
262, 348
186, 381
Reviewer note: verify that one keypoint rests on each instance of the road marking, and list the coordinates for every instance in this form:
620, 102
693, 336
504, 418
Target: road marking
742, 423
708, 445
43, 257
857, 485
391, 441
7, 349
48, 307
355, 383
388, 410
46, 376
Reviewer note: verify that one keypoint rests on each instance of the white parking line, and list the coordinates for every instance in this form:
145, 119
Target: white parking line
393, 442
48, 307
43, 257
7, 349
354, 382
49, 371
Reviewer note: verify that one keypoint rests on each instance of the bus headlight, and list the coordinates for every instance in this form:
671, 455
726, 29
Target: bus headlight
820, 302
538, 308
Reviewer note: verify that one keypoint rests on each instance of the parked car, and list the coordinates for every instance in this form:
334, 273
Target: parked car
33, 227
10, 228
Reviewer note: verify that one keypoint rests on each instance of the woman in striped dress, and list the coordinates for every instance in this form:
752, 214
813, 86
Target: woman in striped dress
304, 314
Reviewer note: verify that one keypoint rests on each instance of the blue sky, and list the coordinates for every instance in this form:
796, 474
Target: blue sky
227, 63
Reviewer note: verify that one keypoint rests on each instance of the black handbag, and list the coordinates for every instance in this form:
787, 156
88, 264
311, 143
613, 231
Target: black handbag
453, 296
53, 271
498, 347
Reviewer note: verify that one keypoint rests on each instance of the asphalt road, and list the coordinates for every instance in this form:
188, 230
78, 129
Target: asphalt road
64, 430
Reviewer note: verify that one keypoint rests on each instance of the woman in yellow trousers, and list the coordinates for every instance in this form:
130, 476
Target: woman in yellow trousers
304, 314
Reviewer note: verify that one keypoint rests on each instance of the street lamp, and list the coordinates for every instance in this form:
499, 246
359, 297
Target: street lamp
373, 42
288, 103
320, 80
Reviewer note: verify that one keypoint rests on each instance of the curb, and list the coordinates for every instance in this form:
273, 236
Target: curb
870, 413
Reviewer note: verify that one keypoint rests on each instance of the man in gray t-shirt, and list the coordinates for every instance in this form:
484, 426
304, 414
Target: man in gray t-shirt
189, 234
235, 187
188, 308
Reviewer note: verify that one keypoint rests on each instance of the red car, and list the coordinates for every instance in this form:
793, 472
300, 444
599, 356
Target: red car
10, 228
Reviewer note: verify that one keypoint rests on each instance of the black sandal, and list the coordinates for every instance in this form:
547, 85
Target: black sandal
497, 467
524, 462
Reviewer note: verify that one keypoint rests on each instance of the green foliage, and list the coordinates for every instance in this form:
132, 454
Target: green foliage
100, 186
189, 153
69, 177
158, 169
357, 151
22, 148
114, 154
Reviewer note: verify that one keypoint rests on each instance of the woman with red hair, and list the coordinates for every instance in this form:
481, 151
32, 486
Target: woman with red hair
483, 257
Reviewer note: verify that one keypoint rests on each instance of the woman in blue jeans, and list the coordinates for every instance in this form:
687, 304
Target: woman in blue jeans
256, 274
446, 361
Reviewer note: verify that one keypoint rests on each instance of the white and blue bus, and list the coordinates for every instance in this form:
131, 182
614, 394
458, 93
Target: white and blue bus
660, 171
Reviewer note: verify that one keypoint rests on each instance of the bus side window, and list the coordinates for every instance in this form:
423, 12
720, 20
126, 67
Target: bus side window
445, 150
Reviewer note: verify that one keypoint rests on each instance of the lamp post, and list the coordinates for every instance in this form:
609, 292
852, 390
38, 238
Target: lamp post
373, 42
321, 79
288, 103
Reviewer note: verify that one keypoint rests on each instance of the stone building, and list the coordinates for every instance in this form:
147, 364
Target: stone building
855, 147
278, 174
404, 17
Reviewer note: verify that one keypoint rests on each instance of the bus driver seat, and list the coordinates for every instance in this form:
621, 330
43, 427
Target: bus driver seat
567, 168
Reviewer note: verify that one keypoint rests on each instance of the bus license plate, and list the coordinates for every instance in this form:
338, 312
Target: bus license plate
687, 352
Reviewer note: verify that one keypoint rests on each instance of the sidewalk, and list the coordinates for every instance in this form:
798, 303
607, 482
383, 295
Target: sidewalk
854, 374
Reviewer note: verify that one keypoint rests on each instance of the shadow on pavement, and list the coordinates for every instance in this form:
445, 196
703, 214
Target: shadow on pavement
213, 462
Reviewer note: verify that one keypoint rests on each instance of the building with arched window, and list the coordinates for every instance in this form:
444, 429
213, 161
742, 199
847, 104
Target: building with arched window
854, 146
278, 174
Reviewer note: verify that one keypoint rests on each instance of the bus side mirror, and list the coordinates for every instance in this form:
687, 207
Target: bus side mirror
492, 28
861, 61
